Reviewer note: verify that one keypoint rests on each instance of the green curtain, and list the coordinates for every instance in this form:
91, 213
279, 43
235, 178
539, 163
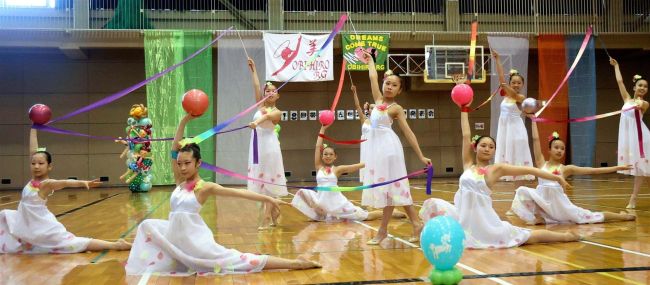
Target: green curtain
162, 50
128, 15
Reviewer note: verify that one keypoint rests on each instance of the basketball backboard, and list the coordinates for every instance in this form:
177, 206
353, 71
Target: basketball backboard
443, 62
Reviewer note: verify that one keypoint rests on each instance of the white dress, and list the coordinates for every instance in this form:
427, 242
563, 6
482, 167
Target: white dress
33, 229
334, 203
270, 167
628, 143
512, 140
363, 150
384, 161
184, 244
483, 227
434, 207
551, 203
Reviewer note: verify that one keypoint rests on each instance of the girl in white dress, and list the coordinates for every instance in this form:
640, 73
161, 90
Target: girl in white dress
364, 113
473, 204
628, 142
32, 228
512, 137
548, 203
270, 166
331, 205
385, 154
184, 244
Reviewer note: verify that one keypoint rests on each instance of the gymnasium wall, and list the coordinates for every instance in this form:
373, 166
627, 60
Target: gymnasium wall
29, 76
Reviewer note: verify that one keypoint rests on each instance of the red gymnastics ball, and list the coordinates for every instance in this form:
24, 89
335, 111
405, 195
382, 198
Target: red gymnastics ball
462, 94
326, 117
195, 102
40, 114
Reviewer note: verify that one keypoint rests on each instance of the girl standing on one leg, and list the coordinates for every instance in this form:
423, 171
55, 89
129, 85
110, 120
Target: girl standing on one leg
628, 143
270, 166
385, 154
512, 136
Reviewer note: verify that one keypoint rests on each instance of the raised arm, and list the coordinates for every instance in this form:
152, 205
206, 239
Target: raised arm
318, 150
50, 185
468, 160
176, 145
569, 170
339, 170
33, 141
409, 135
255, 79
619, 80
502, 169
214, 189
274, 116
374, 78
497, 60
537, 146
357, 104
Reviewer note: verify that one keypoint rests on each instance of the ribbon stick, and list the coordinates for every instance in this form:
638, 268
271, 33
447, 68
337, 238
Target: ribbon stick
255, 151
429, 178
639, 134
340, 142
488, 99
573, 66
130, 89
210, 132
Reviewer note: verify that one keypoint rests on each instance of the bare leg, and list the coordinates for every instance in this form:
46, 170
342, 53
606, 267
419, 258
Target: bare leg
638, 180
546, 236
274, 262
382, 233
374, 215
263, 218
415, 221
98, 245
622, 216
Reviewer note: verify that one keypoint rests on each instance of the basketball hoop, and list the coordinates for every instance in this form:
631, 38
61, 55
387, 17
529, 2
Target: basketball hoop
459, 78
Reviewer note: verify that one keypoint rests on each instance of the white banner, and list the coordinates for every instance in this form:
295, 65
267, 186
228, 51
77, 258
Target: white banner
514, 54
286, 54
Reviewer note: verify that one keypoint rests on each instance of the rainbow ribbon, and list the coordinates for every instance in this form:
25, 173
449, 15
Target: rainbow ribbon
573, 66
223, 171
54, 130
472, 50
205, 135
132, 88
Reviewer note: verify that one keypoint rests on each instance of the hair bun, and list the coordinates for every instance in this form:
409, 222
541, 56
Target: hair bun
513, 72
636, 78
388, 73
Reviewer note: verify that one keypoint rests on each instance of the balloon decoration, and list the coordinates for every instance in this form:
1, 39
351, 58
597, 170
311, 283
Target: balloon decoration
137, 150
442, 241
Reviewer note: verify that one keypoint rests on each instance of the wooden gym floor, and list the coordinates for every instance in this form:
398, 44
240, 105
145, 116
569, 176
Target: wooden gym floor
614, 253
